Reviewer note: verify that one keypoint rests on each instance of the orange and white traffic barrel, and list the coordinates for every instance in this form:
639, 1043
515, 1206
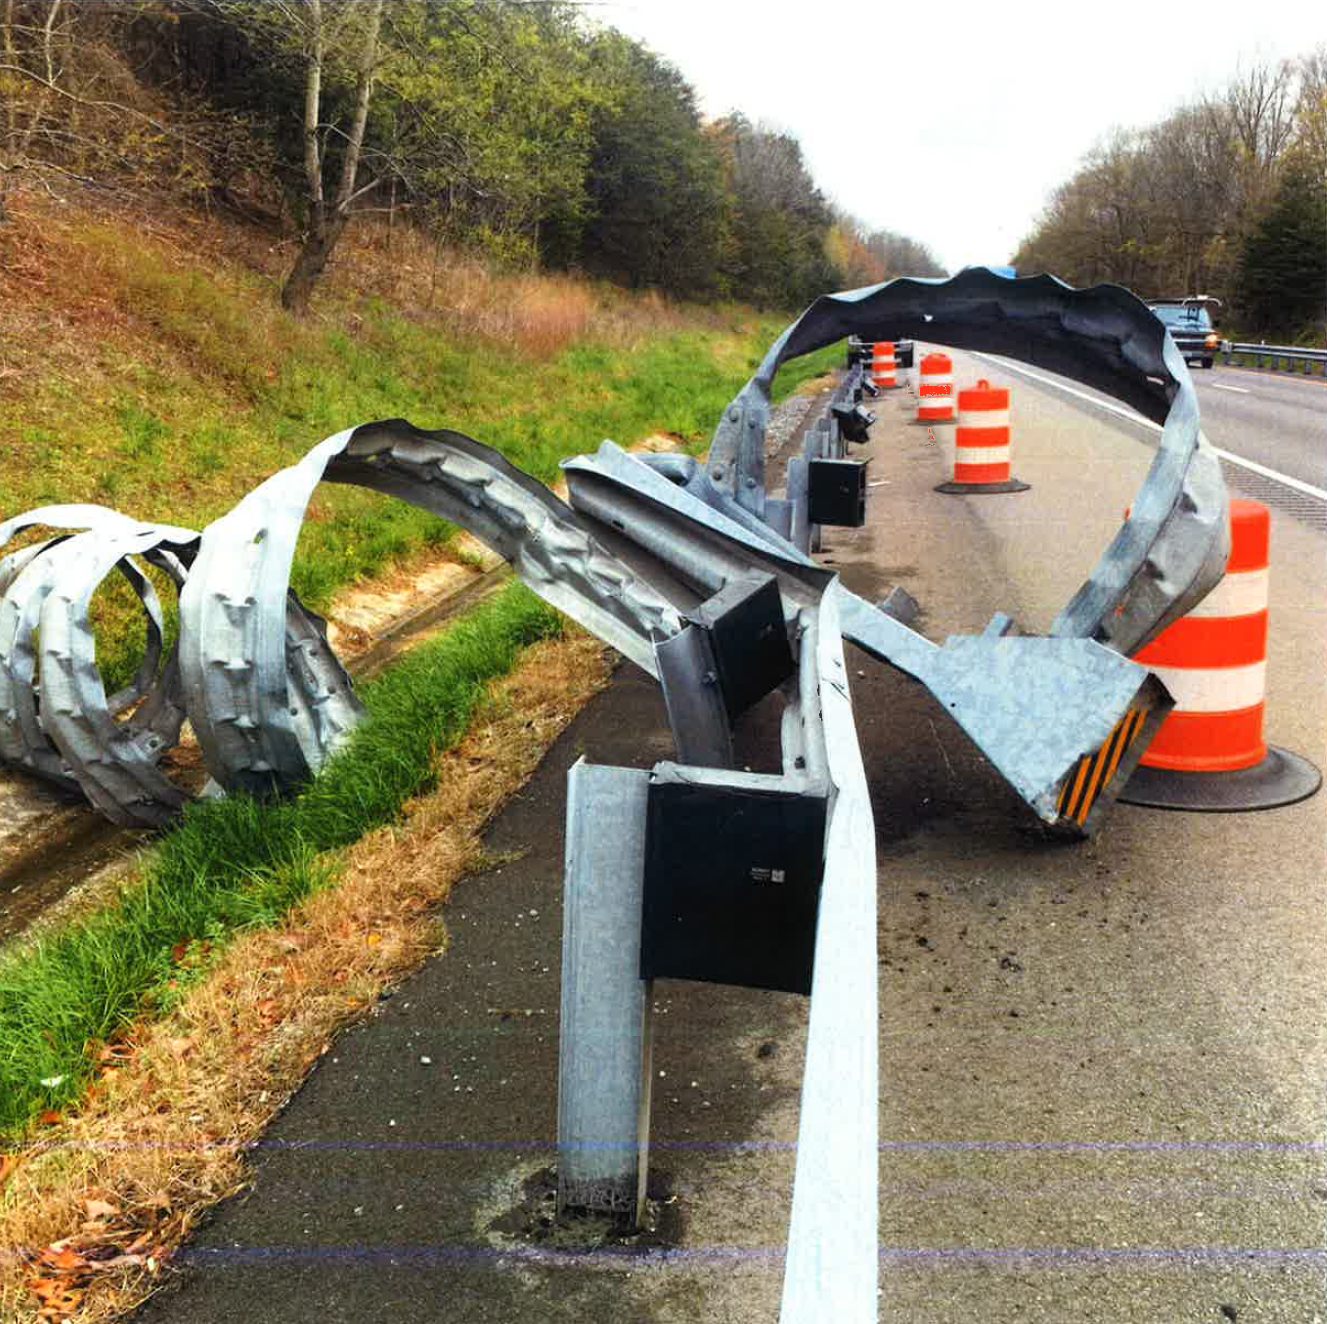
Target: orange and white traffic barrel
982, 461
884, 369
1210, 752
935, 394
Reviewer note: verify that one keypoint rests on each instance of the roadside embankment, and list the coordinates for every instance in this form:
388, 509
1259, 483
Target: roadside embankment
87, 996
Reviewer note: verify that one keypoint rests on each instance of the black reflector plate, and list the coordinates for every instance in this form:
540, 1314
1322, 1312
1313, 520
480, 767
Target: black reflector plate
732, 886
838, 493
749, 638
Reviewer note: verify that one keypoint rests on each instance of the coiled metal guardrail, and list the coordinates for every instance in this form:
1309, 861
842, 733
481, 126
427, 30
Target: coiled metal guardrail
252, 671
702, 578
268, 701
1276, 354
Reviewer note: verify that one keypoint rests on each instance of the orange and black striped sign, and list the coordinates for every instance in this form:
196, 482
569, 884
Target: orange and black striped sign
1095, 770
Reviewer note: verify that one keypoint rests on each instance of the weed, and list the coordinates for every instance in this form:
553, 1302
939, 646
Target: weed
237, 863
143, 431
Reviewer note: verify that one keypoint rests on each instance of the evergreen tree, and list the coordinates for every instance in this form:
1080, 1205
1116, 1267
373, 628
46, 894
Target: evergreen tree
1281, 284
656, 199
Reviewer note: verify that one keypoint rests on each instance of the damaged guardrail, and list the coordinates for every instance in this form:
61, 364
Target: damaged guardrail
705, 580
1066, 718
719, 614
252, 671
267, 699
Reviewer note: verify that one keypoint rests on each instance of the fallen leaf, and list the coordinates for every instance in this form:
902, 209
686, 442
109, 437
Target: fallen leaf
122, 1262
99, 1209
116, 1054
8, 1164
66, 1259
58, 1299
49, 1118
374, 939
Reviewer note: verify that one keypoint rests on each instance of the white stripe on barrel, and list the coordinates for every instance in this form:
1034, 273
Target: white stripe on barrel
1238, 594
1223, 690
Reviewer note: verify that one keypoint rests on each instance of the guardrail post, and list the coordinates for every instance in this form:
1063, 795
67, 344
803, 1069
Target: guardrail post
607, 1009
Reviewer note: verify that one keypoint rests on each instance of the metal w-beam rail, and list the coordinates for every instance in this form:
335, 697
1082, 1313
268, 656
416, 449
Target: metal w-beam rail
268, 700
253, 672
1275, 355
1064, 719
668, 561
649, 568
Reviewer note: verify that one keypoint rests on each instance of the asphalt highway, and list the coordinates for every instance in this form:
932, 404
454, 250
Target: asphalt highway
1270, 422
1278, 421
1103, 1065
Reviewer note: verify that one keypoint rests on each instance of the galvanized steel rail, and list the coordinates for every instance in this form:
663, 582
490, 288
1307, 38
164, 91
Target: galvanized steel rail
252, 672
1277, 354
706, 580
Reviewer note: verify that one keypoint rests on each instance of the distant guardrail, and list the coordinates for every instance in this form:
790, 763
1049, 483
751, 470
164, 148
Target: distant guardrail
1277, 354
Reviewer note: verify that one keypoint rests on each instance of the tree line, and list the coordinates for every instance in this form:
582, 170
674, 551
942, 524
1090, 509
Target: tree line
1226, 196
517, 128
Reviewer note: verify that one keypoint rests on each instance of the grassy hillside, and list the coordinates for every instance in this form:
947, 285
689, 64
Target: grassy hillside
146, 364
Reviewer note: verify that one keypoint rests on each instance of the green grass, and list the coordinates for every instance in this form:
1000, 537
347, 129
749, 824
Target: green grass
237, 863
218, 389
212, 390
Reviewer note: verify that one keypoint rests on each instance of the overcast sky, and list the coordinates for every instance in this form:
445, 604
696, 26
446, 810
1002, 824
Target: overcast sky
961, 124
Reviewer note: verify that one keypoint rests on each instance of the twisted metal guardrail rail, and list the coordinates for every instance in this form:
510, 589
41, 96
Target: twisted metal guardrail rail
705, 580
267, 699
252, 671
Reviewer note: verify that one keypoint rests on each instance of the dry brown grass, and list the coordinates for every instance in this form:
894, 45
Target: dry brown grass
80, 285
74, 283
90, 1214
539, 314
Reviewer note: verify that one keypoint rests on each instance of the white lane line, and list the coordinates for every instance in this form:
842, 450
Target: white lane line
1216, 386
1307, 488
1070, 390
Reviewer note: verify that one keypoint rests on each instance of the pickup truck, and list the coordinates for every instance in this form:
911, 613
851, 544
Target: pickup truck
1190, 326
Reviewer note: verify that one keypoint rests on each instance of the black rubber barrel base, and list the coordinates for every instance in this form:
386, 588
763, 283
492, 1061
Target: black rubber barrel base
983, 489
1282, 778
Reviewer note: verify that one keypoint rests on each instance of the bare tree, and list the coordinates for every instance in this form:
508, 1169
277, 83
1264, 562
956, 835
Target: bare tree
1258, 109
74, 113
318, 28
1311, 111
1167, 209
